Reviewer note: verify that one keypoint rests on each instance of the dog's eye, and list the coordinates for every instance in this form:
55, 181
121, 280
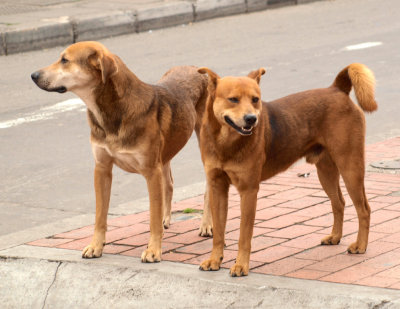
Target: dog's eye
234, 100
255, 100
63, 60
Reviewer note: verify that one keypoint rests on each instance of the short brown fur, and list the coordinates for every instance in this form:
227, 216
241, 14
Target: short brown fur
134, 125
322, 125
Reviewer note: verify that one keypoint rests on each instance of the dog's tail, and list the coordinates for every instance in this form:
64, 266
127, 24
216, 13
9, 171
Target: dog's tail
363, 81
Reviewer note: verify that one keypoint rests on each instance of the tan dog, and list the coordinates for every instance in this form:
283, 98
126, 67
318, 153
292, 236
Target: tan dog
244, 141
134, 125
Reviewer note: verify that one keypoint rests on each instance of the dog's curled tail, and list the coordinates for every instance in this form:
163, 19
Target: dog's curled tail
363, 81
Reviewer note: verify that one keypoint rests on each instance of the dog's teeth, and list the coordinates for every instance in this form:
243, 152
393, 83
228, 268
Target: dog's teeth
247, 130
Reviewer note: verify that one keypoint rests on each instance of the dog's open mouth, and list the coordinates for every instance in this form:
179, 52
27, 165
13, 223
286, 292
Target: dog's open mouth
242, 130
60, 89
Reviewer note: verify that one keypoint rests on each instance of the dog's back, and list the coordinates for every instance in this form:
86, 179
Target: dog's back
183, 89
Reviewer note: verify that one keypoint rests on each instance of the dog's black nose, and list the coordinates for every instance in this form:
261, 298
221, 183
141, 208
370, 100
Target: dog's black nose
250, 119
35, 76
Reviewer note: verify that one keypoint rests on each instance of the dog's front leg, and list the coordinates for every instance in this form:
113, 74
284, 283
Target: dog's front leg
155, 186
218, 187
102, 185
248, 204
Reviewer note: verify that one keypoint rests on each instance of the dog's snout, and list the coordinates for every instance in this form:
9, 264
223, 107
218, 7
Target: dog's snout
35, 76
250, 119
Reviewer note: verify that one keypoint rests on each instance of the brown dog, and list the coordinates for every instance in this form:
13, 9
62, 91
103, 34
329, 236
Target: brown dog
244, 141
134, 125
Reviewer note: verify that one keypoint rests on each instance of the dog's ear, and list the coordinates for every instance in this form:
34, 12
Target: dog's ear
105, 63
212, 76
108, 67
256, 74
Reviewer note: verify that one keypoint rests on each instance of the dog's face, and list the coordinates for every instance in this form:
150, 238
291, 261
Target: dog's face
80, 67
237, 100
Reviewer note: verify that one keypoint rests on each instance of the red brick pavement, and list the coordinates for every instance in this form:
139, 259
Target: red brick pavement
293, 214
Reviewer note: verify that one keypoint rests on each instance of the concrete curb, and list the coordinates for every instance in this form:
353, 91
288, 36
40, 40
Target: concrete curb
68, 30
106, 25
207, 9
170, 14
57, 277
2, 44
43, 36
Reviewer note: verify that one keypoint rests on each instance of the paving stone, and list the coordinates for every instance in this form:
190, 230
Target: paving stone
293, 193
115, 249
377, 281
307, 274
79, 244
78, 233
321, 253
137, 240
129, 219
305, 241
283, 266
272, 212
337, 262
283, 221
177, 257
275, 253
259, 243
351, 274
294, 231
49, 242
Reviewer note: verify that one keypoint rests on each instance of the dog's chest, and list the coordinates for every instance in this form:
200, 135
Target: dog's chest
132, 160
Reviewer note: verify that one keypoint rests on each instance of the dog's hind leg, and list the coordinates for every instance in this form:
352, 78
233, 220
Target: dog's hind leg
328, 175
206, 220
206, 224
352, 170
168, 191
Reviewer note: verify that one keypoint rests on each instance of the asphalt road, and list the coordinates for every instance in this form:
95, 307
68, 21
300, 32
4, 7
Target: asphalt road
46, 166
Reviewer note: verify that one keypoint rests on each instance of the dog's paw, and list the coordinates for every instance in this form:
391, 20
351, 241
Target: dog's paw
151, 255
356, 248
238, 270
205, 230
330, 240
210, 264
167, 222
92, 251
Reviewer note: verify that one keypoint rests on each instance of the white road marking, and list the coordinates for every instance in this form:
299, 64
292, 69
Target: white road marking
44, 113
362, 45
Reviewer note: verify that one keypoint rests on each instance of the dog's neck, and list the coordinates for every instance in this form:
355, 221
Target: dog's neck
90, 101
108, 103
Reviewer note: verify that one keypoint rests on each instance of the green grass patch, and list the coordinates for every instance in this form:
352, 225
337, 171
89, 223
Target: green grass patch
190, 210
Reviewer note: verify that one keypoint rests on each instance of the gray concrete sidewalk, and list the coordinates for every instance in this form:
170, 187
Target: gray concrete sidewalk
35, 24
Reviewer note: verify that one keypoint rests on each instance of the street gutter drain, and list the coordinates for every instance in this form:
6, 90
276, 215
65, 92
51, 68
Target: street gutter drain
387, 165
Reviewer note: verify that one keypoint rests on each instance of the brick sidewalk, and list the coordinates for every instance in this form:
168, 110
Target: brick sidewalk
293, 214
